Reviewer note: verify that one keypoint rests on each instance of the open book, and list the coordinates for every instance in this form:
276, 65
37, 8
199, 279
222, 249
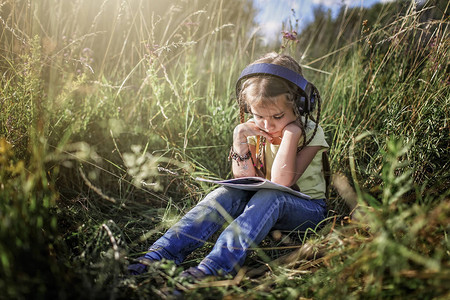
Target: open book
254, 184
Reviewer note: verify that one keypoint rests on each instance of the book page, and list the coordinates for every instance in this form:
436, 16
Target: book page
254, 184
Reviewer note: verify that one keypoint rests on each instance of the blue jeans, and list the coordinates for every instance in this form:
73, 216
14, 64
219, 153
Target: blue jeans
250, 215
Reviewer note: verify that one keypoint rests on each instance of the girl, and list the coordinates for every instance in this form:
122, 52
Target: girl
279, 143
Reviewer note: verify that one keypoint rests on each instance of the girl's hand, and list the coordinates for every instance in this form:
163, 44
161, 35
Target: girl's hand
247, 129
293, 128
241, 147
244, 130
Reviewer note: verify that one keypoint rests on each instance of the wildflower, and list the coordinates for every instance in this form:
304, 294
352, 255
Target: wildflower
87, 52
292, 36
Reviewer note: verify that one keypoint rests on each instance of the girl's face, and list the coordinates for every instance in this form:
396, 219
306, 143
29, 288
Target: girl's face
273, 117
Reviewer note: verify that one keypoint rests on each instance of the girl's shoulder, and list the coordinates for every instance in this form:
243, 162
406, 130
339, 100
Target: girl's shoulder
319, 135
310, 124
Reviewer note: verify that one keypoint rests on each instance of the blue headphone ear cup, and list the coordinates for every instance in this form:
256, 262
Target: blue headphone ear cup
305, 104
301, 102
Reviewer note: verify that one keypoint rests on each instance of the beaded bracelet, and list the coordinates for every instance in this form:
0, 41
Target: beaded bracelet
233, 155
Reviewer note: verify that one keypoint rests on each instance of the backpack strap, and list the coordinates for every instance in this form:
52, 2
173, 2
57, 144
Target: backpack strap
326, 172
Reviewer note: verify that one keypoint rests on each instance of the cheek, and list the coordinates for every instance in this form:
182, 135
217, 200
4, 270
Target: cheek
280, 124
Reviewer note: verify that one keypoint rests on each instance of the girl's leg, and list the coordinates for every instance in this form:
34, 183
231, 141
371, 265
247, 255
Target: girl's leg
199, 224
265, 210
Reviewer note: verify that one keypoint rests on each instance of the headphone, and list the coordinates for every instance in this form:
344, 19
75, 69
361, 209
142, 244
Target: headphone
305, 101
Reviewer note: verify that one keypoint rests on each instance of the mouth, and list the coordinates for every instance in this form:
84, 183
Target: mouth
272, 134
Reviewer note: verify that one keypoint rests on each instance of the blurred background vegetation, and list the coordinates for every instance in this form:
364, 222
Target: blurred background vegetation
110, 109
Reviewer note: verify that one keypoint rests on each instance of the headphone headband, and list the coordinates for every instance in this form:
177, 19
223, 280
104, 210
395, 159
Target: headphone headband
305, 102
275, 70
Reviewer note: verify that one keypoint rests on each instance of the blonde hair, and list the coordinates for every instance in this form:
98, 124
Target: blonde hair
263, 89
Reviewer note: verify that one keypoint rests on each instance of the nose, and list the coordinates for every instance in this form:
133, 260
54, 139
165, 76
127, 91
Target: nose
268, 125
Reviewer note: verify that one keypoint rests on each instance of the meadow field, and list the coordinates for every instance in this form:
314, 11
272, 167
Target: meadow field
110, 109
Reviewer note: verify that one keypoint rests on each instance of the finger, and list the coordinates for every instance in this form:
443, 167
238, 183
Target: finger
264, 134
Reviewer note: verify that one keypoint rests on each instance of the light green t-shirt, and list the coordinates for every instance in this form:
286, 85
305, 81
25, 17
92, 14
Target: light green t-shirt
312, 181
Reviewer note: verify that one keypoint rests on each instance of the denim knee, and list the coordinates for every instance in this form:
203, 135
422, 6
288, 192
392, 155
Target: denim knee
266, 198
226, 201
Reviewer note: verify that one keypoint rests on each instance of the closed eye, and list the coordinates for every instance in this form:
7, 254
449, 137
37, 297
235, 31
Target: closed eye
278, 117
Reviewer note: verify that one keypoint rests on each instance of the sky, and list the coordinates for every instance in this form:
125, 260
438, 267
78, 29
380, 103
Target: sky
274, 12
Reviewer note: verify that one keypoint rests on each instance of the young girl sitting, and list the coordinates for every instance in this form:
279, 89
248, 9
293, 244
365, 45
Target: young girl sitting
280, 143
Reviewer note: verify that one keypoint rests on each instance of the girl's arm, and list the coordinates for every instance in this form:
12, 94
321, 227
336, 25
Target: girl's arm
304, 158
241, 147
289, 165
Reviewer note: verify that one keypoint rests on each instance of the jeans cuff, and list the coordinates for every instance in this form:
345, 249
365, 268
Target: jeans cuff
155, 254
214, 268
206, 269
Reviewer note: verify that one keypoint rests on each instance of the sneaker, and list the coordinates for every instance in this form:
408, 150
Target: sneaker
193, 274
140, 267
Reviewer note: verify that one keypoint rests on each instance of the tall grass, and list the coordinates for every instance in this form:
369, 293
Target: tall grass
107, 117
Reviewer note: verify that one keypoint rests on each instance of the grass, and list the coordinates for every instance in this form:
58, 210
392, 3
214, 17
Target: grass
107, 118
